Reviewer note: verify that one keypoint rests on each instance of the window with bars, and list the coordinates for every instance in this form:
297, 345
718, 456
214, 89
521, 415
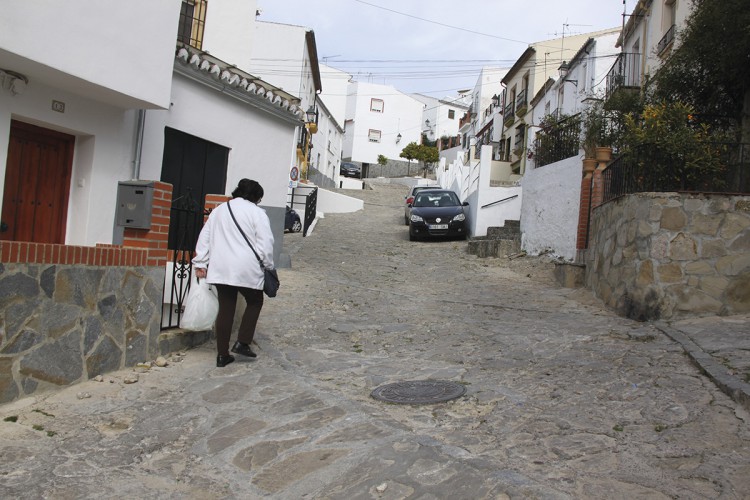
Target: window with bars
451, 114
192, 22
376, 105
374, 135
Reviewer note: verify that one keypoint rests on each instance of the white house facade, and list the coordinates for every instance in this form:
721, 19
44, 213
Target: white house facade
78, 79
380, 120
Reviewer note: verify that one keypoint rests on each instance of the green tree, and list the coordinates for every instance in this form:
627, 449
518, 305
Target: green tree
427, 155
382, 161
410, 152
710, 69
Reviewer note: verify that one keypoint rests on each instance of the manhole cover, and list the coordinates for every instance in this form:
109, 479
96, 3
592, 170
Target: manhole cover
418, 392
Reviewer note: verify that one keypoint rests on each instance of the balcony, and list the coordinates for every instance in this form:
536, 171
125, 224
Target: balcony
666, 42
508, 115
522, 102
625, 73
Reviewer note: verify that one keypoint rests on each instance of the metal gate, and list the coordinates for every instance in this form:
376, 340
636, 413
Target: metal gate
311, 207
186, 222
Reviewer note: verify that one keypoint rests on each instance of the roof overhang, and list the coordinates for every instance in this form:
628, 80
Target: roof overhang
218, 75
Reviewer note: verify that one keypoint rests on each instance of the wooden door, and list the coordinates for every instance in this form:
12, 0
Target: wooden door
37, 184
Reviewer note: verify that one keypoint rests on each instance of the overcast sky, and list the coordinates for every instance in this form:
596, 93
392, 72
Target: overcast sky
436, 47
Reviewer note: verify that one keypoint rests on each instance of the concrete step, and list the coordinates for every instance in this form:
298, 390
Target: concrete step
500, 241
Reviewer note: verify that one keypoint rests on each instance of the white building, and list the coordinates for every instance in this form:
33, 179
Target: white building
647, 41
193, 120
325, 155
380, 120
63, 88
441, 116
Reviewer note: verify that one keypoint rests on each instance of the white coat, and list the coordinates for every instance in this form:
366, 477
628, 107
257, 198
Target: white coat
224, 252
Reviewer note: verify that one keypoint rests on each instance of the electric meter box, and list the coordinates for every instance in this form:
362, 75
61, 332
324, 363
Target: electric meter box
134, 204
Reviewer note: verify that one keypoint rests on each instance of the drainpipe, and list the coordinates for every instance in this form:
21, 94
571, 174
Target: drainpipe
139, 126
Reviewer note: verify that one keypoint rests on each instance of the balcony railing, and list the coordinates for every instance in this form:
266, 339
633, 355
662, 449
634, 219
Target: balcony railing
521, 99
508, 111
626, 72
666, 40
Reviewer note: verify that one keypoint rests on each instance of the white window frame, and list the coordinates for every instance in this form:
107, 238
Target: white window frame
377, 105
374, 135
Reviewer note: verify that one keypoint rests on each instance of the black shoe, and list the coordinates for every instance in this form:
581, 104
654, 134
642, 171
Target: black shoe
244, 349
222, 361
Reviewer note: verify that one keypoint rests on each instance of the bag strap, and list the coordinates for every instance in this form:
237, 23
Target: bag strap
245, 236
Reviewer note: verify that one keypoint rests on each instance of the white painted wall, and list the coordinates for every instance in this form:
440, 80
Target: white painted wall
337, 203
261, 146
51, 42
230, 31
335, 84
103, 153
549, 210
281, 58
401, 114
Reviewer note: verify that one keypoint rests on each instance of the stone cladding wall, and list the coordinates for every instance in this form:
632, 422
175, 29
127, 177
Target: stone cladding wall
669, 255
69, 313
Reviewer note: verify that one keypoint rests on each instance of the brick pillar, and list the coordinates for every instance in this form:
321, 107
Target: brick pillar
213, 201
585, 204
154, 240
603, 155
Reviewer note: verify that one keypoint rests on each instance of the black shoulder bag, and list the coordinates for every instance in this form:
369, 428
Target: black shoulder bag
270, 276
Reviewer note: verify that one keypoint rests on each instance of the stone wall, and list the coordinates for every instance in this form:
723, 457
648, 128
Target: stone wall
63, 324
669, 255
69, 313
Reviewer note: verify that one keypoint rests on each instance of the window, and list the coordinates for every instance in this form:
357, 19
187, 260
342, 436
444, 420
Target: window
192, 22
519, 138
374, 135
451, 114
376, 105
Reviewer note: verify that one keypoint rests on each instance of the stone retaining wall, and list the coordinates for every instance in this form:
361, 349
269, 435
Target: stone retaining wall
63, 324
69, 313
669, 255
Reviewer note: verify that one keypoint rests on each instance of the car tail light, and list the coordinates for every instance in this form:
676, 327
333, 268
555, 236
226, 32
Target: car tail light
410, 200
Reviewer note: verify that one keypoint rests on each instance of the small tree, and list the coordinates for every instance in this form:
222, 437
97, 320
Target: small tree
410, 152
427, 155
382, 161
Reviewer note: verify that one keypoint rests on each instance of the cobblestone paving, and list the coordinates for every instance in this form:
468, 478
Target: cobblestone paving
564, 399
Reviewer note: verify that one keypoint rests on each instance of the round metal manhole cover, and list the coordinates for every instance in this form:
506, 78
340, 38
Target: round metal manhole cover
418, 392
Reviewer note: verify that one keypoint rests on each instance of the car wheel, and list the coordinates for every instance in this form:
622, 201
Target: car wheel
296, 227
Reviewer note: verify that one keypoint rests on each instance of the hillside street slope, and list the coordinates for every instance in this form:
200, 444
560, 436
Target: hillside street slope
563, 398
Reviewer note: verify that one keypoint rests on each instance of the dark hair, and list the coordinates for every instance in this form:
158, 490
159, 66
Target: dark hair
248, 189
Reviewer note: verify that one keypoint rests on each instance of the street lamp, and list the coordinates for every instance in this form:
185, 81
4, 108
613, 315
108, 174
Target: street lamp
398, 138
312, 114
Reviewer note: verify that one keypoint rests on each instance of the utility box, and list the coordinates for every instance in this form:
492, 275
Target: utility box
134, 204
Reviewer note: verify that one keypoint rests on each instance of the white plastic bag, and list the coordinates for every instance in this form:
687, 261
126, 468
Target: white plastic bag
201, 307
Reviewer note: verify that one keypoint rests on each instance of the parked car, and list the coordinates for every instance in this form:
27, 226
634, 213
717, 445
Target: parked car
437, 213
410, 199
348, 169
292, 221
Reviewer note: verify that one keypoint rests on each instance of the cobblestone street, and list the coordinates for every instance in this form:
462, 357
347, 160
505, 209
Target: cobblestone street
564, 399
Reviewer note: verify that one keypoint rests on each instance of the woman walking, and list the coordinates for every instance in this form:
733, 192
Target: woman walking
224, 259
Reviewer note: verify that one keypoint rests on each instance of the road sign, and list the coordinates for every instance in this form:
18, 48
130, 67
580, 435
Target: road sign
294, 173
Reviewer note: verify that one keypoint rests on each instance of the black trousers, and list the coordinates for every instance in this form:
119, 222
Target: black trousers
225, 318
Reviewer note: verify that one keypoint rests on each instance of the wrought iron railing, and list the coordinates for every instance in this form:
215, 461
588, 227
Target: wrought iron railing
648, 169
667, 39
625, 72
192, 23
559, 141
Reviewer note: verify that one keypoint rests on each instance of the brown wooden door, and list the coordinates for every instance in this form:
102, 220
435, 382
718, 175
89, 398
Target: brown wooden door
37, 184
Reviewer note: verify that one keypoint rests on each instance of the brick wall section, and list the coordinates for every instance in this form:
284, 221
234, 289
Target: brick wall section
583, 213
141, 247
213, 201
